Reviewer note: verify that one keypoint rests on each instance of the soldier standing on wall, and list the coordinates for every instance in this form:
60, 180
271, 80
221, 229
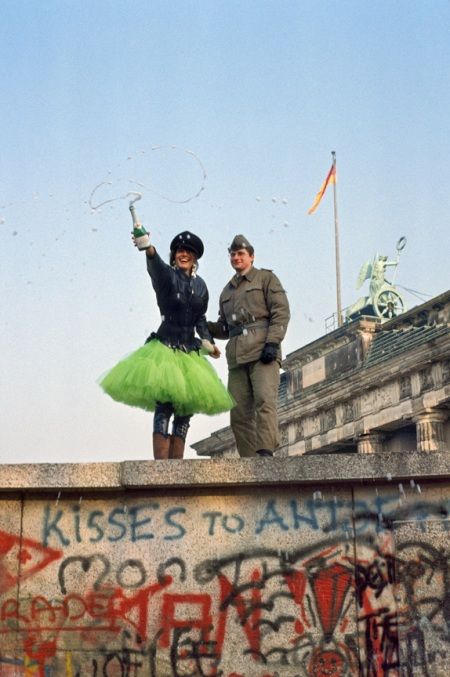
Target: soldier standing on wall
253, 315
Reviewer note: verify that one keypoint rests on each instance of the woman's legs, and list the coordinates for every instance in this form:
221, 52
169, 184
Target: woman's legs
161, 437
180, 428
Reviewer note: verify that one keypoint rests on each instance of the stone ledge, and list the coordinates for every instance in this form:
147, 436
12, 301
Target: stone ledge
298, 470
66, 476
306, 469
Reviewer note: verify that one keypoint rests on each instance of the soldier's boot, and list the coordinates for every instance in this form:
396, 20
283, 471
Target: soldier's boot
264, 452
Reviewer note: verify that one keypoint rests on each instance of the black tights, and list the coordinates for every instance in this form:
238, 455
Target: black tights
180, 424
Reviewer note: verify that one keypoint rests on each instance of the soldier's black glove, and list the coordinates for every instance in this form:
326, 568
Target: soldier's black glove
269, 353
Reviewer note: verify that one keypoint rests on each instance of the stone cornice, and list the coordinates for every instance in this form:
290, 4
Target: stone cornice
365, 326
352, 384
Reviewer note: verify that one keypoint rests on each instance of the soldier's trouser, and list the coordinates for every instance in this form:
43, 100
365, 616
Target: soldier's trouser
254, 420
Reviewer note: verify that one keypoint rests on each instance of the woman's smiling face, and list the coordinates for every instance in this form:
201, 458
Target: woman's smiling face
184, 259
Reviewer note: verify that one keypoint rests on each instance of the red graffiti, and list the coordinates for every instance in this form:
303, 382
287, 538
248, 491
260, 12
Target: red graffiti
327, 663
297, 582
249, 611
170, 620
21, 558
330, 586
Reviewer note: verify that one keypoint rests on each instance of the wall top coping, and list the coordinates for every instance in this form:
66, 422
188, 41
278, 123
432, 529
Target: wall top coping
307, 469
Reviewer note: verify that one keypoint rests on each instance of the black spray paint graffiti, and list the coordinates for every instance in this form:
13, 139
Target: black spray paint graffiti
291, 612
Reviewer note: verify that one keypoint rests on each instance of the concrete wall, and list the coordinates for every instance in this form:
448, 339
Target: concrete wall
314, 566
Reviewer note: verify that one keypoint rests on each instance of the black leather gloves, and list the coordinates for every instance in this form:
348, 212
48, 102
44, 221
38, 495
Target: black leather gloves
269, 353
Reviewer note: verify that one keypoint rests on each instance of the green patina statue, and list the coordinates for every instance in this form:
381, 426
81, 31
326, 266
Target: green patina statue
384, 300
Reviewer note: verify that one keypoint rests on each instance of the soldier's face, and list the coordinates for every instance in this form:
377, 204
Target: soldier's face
241, 260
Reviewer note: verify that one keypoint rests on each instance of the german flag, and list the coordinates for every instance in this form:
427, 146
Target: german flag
331, 178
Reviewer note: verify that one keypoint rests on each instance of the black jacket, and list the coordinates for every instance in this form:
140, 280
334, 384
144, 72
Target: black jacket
182, 301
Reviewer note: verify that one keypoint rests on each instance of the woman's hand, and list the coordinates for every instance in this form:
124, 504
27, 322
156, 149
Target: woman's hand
142, 242
210, 349
216, 352
150, 250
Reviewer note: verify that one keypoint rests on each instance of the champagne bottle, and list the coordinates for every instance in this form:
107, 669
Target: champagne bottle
140, 235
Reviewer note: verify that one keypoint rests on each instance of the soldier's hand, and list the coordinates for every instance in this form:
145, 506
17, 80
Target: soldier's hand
269, 353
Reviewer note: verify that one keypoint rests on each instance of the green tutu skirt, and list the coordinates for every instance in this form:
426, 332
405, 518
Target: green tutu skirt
156, 373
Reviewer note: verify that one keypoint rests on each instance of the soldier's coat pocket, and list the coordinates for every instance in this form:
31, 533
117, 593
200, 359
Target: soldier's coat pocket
255, 301
225, 302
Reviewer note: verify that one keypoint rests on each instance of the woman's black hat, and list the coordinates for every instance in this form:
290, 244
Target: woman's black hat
188, 241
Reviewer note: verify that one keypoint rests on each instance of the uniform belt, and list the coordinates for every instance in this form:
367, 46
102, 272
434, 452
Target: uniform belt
240, 328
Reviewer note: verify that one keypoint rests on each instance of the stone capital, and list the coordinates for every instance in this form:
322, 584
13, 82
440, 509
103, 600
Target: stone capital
370, 443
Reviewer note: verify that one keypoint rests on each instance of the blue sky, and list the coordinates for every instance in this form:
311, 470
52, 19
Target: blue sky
256, 95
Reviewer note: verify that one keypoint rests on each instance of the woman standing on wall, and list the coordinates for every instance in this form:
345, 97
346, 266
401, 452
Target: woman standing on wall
170, 374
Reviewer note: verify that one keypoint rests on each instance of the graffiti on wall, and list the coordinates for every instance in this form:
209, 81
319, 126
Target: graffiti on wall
346, 600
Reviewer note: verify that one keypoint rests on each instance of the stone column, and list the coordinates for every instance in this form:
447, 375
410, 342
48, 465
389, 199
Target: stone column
430, 431
370, 443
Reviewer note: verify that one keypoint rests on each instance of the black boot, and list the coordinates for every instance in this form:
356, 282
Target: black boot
264, 452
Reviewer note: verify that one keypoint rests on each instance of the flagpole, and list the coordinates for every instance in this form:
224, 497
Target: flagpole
336, 245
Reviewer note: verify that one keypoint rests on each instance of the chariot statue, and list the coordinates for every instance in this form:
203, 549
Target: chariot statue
384, 299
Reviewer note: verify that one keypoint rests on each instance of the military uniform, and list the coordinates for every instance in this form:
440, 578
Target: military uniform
253, 311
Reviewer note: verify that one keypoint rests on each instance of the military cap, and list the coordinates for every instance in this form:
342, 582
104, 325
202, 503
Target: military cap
188, 241
240, 242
